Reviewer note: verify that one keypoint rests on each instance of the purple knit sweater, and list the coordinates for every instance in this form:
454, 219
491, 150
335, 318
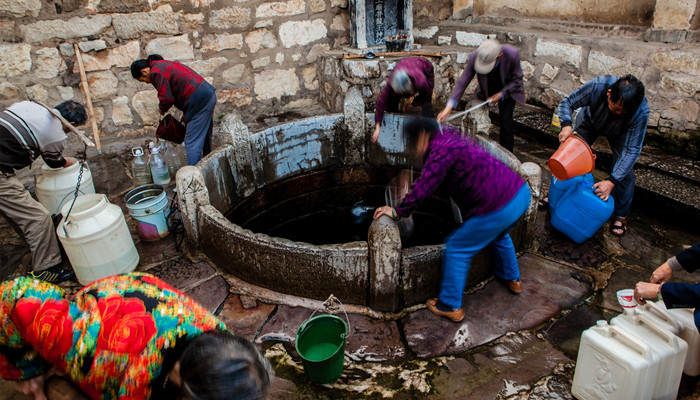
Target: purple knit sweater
476, 180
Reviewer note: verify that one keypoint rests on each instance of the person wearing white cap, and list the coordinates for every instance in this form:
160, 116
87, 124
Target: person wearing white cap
500, 79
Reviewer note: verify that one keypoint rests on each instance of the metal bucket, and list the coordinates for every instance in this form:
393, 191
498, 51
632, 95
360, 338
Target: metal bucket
148, 206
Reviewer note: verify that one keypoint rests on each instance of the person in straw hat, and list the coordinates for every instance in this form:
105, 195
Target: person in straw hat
497, 68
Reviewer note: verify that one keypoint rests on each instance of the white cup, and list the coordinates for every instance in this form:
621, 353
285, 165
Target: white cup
626, 299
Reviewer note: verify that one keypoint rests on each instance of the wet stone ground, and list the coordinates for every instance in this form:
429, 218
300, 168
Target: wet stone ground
507, 347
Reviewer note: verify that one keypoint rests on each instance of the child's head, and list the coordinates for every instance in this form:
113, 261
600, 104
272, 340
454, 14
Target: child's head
218, 365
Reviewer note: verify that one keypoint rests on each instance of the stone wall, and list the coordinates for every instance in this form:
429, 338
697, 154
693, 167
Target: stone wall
260, 55
553, 65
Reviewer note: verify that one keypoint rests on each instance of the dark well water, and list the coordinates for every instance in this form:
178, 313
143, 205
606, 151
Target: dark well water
322, 207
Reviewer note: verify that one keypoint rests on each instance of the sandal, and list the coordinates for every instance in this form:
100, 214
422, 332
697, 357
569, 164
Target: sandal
618, 226
544, 203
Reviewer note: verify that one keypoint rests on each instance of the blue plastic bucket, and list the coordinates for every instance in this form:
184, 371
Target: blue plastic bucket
148, 206
558, 188
580, 213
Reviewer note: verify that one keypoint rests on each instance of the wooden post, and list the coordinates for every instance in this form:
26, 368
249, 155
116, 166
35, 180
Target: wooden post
88, 100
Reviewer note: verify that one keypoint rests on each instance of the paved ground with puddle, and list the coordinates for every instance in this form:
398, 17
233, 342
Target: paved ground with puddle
507, 347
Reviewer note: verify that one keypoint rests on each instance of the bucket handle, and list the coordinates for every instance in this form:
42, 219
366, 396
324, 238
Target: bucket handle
329, 303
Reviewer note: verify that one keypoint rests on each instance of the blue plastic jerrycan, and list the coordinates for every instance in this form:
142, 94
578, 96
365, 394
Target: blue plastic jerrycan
557, 187
580, 213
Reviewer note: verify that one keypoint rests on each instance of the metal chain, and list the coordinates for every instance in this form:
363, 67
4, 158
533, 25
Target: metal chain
77, 186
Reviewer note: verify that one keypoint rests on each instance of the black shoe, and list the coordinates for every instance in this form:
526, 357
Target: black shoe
55, 274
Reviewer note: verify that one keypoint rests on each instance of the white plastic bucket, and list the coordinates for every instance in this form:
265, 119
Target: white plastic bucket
612, 364
97, 239
148, 206
56, 186
671, 350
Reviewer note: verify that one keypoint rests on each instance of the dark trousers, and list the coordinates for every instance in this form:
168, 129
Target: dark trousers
623, 191
505, 109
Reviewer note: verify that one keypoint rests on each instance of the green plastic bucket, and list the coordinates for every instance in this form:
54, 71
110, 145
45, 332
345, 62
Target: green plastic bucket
321, 344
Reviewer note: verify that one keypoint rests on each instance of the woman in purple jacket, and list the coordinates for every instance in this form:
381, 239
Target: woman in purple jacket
490, 196
497, 68
411, 77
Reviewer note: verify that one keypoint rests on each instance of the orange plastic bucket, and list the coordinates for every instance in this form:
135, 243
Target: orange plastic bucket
573, 158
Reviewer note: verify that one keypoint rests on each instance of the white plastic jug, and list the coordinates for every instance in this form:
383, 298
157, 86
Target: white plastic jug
97, 239
612, 364
657, 311
670, 348
689, 332
56, 186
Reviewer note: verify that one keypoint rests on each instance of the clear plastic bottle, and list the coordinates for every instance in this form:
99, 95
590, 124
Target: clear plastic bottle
140, 171
174, 156
159, 169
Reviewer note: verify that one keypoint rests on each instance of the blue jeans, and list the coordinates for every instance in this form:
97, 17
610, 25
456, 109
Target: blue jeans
198, 134
475, 234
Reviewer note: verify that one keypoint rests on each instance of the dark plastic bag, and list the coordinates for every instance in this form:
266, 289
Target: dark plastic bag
171, 130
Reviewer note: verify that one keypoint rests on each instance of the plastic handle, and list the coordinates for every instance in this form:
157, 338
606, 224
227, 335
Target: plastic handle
633, 342
667, 336
663, 314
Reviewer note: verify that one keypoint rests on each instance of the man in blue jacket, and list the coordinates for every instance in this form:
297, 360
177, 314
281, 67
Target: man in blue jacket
617, 109
674, 294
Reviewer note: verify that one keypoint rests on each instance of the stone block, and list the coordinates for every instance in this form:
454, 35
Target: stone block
133, 26
145, 103
316, 50
92, 45
263, 23
8, 91
551, 97
275, 84
570, 53
210, 294
67, 49
171, 48
362, 69
194, 21
7, 31
228, 18
20, 8
549, 72
309, 74
260, 38
242, 318
260, 62
201, 3
65, 29
674, 14
339, 3
206, 67
182, 274
279, 58
683, 85
603, 64
117, 6
234, 74
317, 6
66, 92
49, 63
686, 62
121, 56
341, 22
280, 9
223, 41
373, 340
121, 113
103, 85
38, 92
15, 59
425, 33
237, 97
384, 242
301, 33
444, 40
462, 57
470, 39
527, 68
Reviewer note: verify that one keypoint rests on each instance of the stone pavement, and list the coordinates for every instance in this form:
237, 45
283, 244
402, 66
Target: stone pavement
507, 347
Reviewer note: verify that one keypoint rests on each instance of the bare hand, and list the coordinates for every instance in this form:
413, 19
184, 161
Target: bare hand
662, 274
384, 210
32, 388
643, 290
495, 98
375, 135
444, 113
603, 189
69, 161
565, 133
